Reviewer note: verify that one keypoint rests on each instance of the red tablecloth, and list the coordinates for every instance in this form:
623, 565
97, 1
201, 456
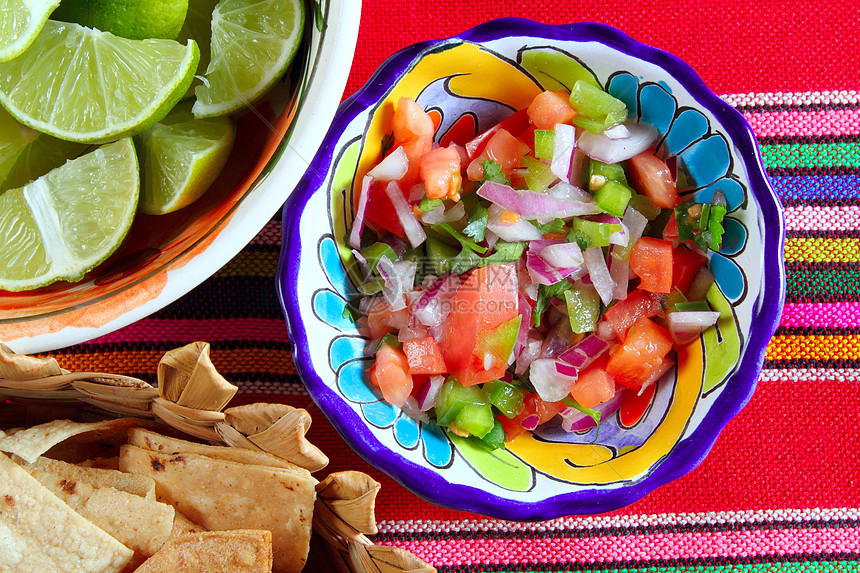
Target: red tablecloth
781, 488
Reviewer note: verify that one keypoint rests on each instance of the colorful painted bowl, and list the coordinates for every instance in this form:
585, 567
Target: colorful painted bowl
166, 256
470, 82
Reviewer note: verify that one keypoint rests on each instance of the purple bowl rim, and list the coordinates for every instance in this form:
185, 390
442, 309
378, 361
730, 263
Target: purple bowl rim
688, 453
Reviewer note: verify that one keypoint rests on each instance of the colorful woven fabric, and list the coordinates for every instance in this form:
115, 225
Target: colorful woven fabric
780, 492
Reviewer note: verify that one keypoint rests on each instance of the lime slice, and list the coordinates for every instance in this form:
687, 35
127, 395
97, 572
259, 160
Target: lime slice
65, 223
20, 23
80, 84
131, 19
26, 154
180, 157
252, 44
197, 27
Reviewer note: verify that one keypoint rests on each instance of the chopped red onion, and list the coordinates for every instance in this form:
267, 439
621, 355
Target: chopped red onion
564, 145
530, 352
619, 271
665, 366
434, 216
392, 168
563, 255
533, 205
434, 305
600, 147
569, 192
551, 385
566, 369
524, 306
412, 332
622, 237
411, 409
619, 131
530, 423
605, 330
635, 222
599, 273
358, 221
522, 230
572, 420
429, 392
411, 226
586, 351
525, 282
558, 339
416, 193
687, 326
399, 278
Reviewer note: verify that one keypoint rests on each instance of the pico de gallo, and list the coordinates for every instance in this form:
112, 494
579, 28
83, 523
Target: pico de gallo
540, 271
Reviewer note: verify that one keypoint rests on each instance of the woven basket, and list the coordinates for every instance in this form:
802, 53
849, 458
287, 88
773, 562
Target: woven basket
192, 398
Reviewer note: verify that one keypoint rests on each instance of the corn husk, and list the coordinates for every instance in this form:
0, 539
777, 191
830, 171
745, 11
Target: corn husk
186, 376
352, 496
14, 366
254, 418
233, 437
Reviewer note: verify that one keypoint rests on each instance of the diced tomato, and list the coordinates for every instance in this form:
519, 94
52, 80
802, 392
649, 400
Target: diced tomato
685, 264
440, 172
594, 385
532, 406
514, 124
381, 320
670, 232
483, 302
652, 178
549, 108
651, 260
642, 352
390, 373
504, 149
413, 130
625, 312
380, 211
528, 137
424, 356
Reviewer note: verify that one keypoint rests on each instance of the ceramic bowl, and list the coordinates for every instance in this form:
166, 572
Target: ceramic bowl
166, 256
470, 82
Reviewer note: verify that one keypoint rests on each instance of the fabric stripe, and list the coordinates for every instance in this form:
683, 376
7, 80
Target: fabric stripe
820, 250
572, 525
714, 545
825, 218
227, 297
850, 97
835, 282
251, 264
183, 331
821, 564
270, 234
814, 347
805, 123
824, 187
820, 315
811, 155
790, 375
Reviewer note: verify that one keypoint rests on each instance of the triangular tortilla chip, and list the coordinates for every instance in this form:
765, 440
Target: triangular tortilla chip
142, 486
149, 440
41, 534
222, 495
243, 551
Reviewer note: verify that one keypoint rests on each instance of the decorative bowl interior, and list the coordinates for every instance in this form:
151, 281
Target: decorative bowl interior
165, 256
471, 82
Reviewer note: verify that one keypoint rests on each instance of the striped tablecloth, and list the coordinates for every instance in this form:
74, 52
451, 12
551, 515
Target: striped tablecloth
781, 489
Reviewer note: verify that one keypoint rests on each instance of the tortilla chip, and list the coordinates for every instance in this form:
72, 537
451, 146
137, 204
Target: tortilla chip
140, 524
103, 442
41, 534
222, 495
182, 526
138, 485
246, 551
30, 443
103, 463
149, 440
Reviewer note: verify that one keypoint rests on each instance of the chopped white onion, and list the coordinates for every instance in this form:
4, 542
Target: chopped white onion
598, 272
619, 131
392, 168
550, 384
568, 191
411, 226
564, 145
562, 255
600, 147
687, 326
522, 230
358, 220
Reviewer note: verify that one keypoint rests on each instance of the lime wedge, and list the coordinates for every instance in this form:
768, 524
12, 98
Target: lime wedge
26, 154
131, 19
80, 84
252, 44
20, 23
68, 221
180, 157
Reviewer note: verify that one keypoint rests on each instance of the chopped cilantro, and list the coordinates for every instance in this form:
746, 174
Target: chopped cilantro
493, 172
580, 238
591, 413
465, 241
477, 215
545, 294
701, 223
505, 253
554, 226
428, 204
387, 143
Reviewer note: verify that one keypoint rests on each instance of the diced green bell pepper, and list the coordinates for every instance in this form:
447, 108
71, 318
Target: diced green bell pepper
477, 419
645, 206
438, 252
693, 306
583, 309
495, 438
453, 397
599, 171
539, 175
376, 251
509, 400
500, 340
613, 197
596, 109
596, 234
544, 143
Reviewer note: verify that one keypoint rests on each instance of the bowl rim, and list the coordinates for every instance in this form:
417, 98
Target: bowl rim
323, 84
688, 453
